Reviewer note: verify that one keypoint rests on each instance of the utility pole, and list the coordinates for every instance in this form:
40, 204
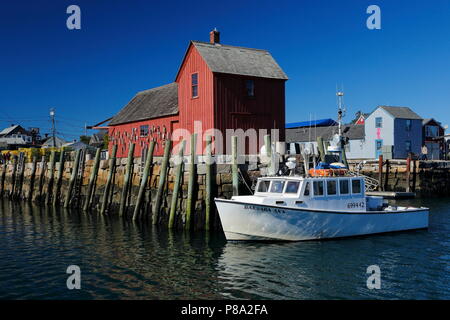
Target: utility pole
52, 117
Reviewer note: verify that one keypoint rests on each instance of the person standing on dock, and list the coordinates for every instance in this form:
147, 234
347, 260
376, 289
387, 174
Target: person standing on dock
424, 152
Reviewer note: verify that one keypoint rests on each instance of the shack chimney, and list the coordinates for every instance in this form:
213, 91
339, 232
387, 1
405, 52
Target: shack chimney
214, 36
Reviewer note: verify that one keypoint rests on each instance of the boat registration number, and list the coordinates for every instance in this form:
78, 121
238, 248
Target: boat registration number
352, 205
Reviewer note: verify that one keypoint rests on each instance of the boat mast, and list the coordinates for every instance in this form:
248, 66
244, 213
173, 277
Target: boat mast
341, 110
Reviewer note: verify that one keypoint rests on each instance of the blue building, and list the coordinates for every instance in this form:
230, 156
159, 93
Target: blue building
392, 130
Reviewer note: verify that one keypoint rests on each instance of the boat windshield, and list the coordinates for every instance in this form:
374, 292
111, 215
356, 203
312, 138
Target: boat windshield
263, 186
276, 186
292, 187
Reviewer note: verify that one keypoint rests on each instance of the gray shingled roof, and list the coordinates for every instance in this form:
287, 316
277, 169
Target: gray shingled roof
148, 104
238, 60
304, 134
402, 112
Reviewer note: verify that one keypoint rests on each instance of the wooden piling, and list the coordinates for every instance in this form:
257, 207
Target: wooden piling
126, 182
386, 176
51, 177
408, 174
344, 156
191, 184
32, 178
144, 180
380, 173
414, 175
321, 148
112, 170
92, 181
13, 177
326, 145
268, 147
73, 178
42, 177
208, 178
57, 188
162, 181
2, 179
21, 175
234, 165
176, 187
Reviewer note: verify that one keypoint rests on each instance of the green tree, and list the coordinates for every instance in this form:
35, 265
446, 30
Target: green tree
85, 139
105, 141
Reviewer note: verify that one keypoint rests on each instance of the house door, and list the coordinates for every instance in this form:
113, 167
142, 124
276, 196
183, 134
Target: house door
378, 148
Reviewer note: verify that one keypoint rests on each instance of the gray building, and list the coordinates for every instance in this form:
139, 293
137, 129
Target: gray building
393, 132
308, 135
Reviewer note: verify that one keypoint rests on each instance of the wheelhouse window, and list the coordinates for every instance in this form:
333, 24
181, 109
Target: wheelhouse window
379, 122
356, 186
250, 88
318, 188
263, 186
292, 187
331, 187
343, 187
143, 130
306, 192
194, 84
277, 186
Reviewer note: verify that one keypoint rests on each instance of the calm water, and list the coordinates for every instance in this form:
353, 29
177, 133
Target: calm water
122, 260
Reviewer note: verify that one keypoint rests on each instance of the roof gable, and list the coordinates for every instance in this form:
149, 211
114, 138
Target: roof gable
237, 60
153, 103
12, 129
401, 112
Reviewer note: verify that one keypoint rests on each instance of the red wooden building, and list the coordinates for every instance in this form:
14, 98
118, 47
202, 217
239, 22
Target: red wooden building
222, 86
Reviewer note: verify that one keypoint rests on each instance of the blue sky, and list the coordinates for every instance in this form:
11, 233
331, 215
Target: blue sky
123, 47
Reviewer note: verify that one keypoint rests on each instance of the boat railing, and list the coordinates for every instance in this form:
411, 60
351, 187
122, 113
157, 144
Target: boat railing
370, 183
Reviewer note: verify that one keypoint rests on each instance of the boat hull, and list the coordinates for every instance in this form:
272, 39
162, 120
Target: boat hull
247, 221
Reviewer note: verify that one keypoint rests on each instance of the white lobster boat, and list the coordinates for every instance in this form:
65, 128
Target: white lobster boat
295, 208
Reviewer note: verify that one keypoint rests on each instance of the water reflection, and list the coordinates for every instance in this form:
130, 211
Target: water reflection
121, 259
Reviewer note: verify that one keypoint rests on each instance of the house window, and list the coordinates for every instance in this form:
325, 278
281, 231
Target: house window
378, 122
144, 130
431, 131
194, 83
408, 146
408, 125
250, 88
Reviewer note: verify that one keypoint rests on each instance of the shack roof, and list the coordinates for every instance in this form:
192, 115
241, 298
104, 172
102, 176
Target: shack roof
153, 103
310, 134
401, 112
229, 59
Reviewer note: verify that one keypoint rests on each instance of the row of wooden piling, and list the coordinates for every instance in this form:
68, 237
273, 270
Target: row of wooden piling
383, 179
49, 189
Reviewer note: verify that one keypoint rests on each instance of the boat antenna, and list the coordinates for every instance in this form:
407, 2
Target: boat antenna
341, 113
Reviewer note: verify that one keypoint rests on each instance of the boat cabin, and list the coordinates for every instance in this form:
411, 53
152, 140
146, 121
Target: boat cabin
344, 193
